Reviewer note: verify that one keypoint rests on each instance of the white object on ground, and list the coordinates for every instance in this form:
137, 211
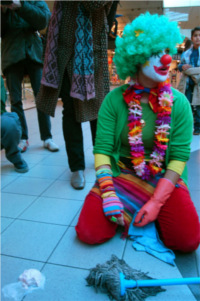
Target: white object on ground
29, 281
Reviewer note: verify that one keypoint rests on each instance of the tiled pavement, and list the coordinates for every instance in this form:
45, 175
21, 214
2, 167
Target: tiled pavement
40, 209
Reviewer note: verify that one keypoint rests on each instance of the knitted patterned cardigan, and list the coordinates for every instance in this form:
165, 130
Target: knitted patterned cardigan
47, 96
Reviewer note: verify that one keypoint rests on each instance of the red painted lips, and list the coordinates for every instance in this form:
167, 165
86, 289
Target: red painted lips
163, 70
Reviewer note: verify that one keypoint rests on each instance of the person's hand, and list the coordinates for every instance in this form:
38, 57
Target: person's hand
186, 66
118, 220
113, 209
149, 211
147, 214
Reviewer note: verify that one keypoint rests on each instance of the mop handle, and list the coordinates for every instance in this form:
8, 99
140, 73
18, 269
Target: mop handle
130, 283
164, 282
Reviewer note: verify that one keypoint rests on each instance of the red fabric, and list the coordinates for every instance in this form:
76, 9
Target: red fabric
93, 227
178, 222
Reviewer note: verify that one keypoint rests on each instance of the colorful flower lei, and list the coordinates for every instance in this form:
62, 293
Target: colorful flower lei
161, 101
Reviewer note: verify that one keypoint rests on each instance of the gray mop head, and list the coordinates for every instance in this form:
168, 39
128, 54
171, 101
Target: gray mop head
105, 277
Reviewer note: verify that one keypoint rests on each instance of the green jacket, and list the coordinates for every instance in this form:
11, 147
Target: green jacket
113, 114
19, 27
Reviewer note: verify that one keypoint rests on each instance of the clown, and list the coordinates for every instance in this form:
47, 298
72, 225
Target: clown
142, 145
157, 67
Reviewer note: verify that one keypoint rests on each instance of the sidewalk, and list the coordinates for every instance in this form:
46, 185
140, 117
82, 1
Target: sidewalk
40, 210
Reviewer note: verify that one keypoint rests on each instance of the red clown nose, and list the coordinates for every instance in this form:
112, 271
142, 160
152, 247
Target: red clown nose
166, 59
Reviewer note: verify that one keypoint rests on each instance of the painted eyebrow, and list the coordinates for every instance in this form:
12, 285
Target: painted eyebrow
158, 54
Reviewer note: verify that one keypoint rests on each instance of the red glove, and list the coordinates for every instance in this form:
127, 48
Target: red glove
149, 212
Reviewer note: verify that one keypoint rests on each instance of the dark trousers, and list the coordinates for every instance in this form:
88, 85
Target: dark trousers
14, 77
10, 136
195, 109
72, 130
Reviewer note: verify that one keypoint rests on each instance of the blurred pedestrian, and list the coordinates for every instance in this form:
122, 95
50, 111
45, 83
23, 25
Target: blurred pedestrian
22, 55
76, 69
11, 134
190, 80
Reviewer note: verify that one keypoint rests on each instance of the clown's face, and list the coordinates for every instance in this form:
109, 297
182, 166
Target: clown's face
157, 67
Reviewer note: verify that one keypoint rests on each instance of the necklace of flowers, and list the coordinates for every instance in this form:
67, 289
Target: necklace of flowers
161, 101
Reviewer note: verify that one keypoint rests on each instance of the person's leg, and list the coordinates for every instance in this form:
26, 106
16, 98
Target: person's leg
196, 114
35, 73
10, 137
14, 76
44, 125
188, 92
93, 127
197, 120
179, 223
93, 227
72, 130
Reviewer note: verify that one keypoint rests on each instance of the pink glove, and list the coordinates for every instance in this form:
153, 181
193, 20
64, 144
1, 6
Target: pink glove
149, 212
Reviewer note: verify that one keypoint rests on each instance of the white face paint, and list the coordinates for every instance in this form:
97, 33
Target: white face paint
154, 69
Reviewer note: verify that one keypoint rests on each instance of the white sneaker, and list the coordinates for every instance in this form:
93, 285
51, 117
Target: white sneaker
50, 145
23, 145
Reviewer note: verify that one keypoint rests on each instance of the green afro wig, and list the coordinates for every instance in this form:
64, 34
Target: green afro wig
146, 35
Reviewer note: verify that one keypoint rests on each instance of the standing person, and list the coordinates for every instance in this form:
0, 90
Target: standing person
76, 69
11, 134
190, 80
142, 144
21, 55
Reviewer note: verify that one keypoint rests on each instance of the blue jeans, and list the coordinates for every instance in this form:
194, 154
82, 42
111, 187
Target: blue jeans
10, 136
14, 77
195, 109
